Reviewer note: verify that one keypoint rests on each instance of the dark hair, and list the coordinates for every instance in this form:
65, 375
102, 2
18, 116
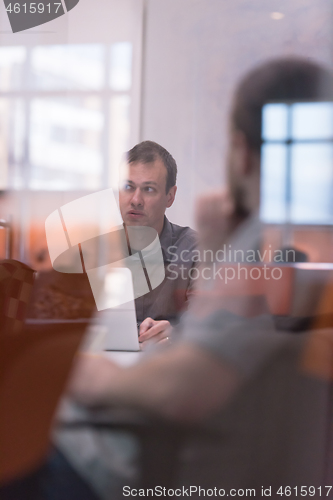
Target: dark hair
149, 151
293, 79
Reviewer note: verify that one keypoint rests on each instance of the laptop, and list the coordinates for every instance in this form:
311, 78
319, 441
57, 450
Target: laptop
115, 329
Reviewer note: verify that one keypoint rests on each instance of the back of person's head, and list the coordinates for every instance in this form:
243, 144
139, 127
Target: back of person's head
293, 79
148, 152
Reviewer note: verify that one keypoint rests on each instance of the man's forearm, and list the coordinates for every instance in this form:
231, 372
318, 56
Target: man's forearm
182, 383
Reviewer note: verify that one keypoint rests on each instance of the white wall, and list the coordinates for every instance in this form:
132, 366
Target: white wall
196, 51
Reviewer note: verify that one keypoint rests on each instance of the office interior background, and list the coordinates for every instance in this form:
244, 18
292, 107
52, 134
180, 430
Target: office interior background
79, 91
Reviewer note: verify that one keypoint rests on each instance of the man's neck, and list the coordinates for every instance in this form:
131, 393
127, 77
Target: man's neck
159, 228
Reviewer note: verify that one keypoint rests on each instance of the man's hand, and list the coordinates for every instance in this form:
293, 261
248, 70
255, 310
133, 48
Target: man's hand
91, 378
152, 331
215, 219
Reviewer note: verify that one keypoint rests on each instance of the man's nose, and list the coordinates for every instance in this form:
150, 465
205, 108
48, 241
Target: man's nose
137, 198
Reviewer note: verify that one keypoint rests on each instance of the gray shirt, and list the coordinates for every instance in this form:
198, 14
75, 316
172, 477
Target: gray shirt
272, 431
169, 299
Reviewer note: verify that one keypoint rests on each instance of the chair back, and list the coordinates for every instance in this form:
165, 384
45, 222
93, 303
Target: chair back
35, 361
16, 281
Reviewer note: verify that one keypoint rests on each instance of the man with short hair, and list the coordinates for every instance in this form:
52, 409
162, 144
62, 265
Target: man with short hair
218, 371
148, 188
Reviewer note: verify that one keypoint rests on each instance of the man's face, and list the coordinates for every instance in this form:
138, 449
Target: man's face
240, 171
142, 197
233, 162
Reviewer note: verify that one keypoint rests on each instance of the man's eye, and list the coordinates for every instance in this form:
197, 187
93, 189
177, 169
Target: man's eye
127, 187
149, 189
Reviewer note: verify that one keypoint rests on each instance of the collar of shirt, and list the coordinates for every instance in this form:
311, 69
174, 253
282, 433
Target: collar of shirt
166, 239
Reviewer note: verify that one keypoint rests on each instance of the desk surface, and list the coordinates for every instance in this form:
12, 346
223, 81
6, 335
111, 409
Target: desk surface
69, 412
72, 414
123, 358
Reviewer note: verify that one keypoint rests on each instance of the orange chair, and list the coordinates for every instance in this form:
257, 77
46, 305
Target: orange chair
35, 361
16, 281
33, 374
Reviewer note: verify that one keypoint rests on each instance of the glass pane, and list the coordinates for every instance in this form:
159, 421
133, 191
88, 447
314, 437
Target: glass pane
273, 183
66, 143
12, 61
121, 66
119, 135
57, 67
312, 120
312, 184
275, 122
12, 127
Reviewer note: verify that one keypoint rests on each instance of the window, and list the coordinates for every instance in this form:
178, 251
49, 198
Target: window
65, 115
297, 163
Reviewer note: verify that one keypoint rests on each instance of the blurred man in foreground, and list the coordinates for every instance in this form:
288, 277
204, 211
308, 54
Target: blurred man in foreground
230, 370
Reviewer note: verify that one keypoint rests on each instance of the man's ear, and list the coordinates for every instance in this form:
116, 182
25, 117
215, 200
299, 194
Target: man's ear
241, 154
171, 196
